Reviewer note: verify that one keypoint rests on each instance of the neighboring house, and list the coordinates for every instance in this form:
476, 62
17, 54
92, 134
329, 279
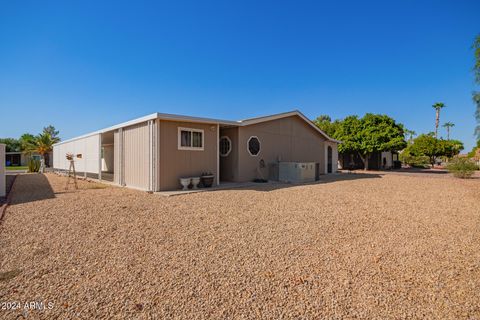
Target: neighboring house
21, 158
153, 152
376, 161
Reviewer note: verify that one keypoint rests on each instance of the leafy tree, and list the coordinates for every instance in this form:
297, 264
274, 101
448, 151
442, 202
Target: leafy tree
450, 148
426, 145
406, 156
437, 106
325, 124
372, 133
431, 147
11, 144
472, 153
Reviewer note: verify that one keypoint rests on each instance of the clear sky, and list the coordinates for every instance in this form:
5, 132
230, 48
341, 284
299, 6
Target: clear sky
85, 65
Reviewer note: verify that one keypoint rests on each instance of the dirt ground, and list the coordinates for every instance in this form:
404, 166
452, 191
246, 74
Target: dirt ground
377, 246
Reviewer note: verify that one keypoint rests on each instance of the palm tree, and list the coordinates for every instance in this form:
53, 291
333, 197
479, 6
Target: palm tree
410, 133
27, 143
448, 125
437, 106
44, 144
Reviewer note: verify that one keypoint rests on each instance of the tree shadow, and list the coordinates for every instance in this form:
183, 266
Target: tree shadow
324, 179
31, 187
421, 171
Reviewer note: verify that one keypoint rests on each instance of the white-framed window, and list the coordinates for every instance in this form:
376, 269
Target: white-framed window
190, 139
225, 146
253, 146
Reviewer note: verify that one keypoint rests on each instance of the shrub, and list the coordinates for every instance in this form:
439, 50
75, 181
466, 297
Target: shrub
462, 167
414, 161
33, 165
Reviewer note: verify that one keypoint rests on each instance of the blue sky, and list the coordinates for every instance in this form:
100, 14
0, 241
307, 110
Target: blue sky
85, 65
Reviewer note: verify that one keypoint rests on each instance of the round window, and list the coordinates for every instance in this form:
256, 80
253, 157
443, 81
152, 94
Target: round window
253, 146
225, 146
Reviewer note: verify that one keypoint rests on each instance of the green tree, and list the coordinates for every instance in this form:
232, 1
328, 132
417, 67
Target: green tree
431, 147
472, 153
448, 125
11, 144
372, 133
450, 148
426, 145
437, 106
325, 124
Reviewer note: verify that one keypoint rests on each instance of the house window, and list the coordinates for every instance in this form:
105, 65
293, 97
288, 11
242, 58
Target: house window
190, 139
253, 146
225, 146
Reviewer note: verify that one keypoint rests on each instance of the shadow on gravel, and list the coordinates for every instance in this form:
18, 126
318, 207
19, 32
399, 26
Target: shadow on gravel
330, 178
420, 171
31, 187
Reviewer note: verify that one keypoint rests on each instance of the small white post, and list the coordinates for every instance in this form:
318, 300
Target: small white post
218, 154
3, 183
99, 156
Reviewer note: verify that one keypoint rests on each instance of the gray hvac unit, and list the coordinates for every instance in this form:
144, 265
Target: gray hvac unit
296, 172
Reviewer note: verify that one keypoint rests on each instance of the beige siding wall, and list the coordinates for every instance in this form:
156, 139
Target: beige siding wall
136, 162
286, 139
176, 163
229, 164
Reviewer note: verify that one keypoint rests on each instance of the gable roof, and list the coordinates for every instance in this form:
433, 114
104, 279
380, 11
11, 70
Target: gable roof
256, 120
176, 117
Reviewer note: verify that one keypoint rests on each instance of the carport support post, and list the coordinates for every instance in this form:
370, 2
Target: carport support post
3, 184
218, 154
100, 156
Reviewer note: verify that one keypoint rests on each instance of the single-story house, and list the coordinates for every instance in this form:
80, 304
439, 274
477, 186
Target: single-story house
20, 158
151, 153
377, 160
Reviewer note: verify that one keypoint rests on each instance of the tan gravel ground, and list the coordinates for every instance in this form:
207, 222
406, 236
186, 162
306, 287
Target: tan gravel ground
356, 246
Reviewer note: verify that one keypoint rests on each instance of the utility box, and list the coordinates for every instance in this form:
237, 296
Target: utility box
3, 183
296, 172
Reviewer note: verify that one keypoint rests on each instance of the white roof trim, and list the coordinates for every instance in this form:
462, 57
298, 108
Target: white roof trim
247, 122
175, 117
156, 115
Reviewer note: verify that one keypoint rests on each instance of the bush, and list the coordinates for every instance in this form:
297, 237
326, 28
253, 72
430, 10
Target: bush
33, 165
414, 161
462, 167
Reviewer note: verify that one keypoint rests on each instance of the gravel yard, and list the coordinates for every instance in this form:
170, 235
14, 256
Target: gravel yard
355, 246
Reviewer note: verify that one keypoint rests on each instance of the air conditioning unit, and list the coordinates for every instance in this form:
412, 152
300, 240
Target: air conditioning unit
296, 172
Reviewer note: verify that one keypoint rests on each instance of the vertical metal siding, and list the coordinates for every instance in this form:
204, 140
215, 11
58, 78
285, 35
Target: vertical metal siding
136, 149
89, 147
176, 163
117, 167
